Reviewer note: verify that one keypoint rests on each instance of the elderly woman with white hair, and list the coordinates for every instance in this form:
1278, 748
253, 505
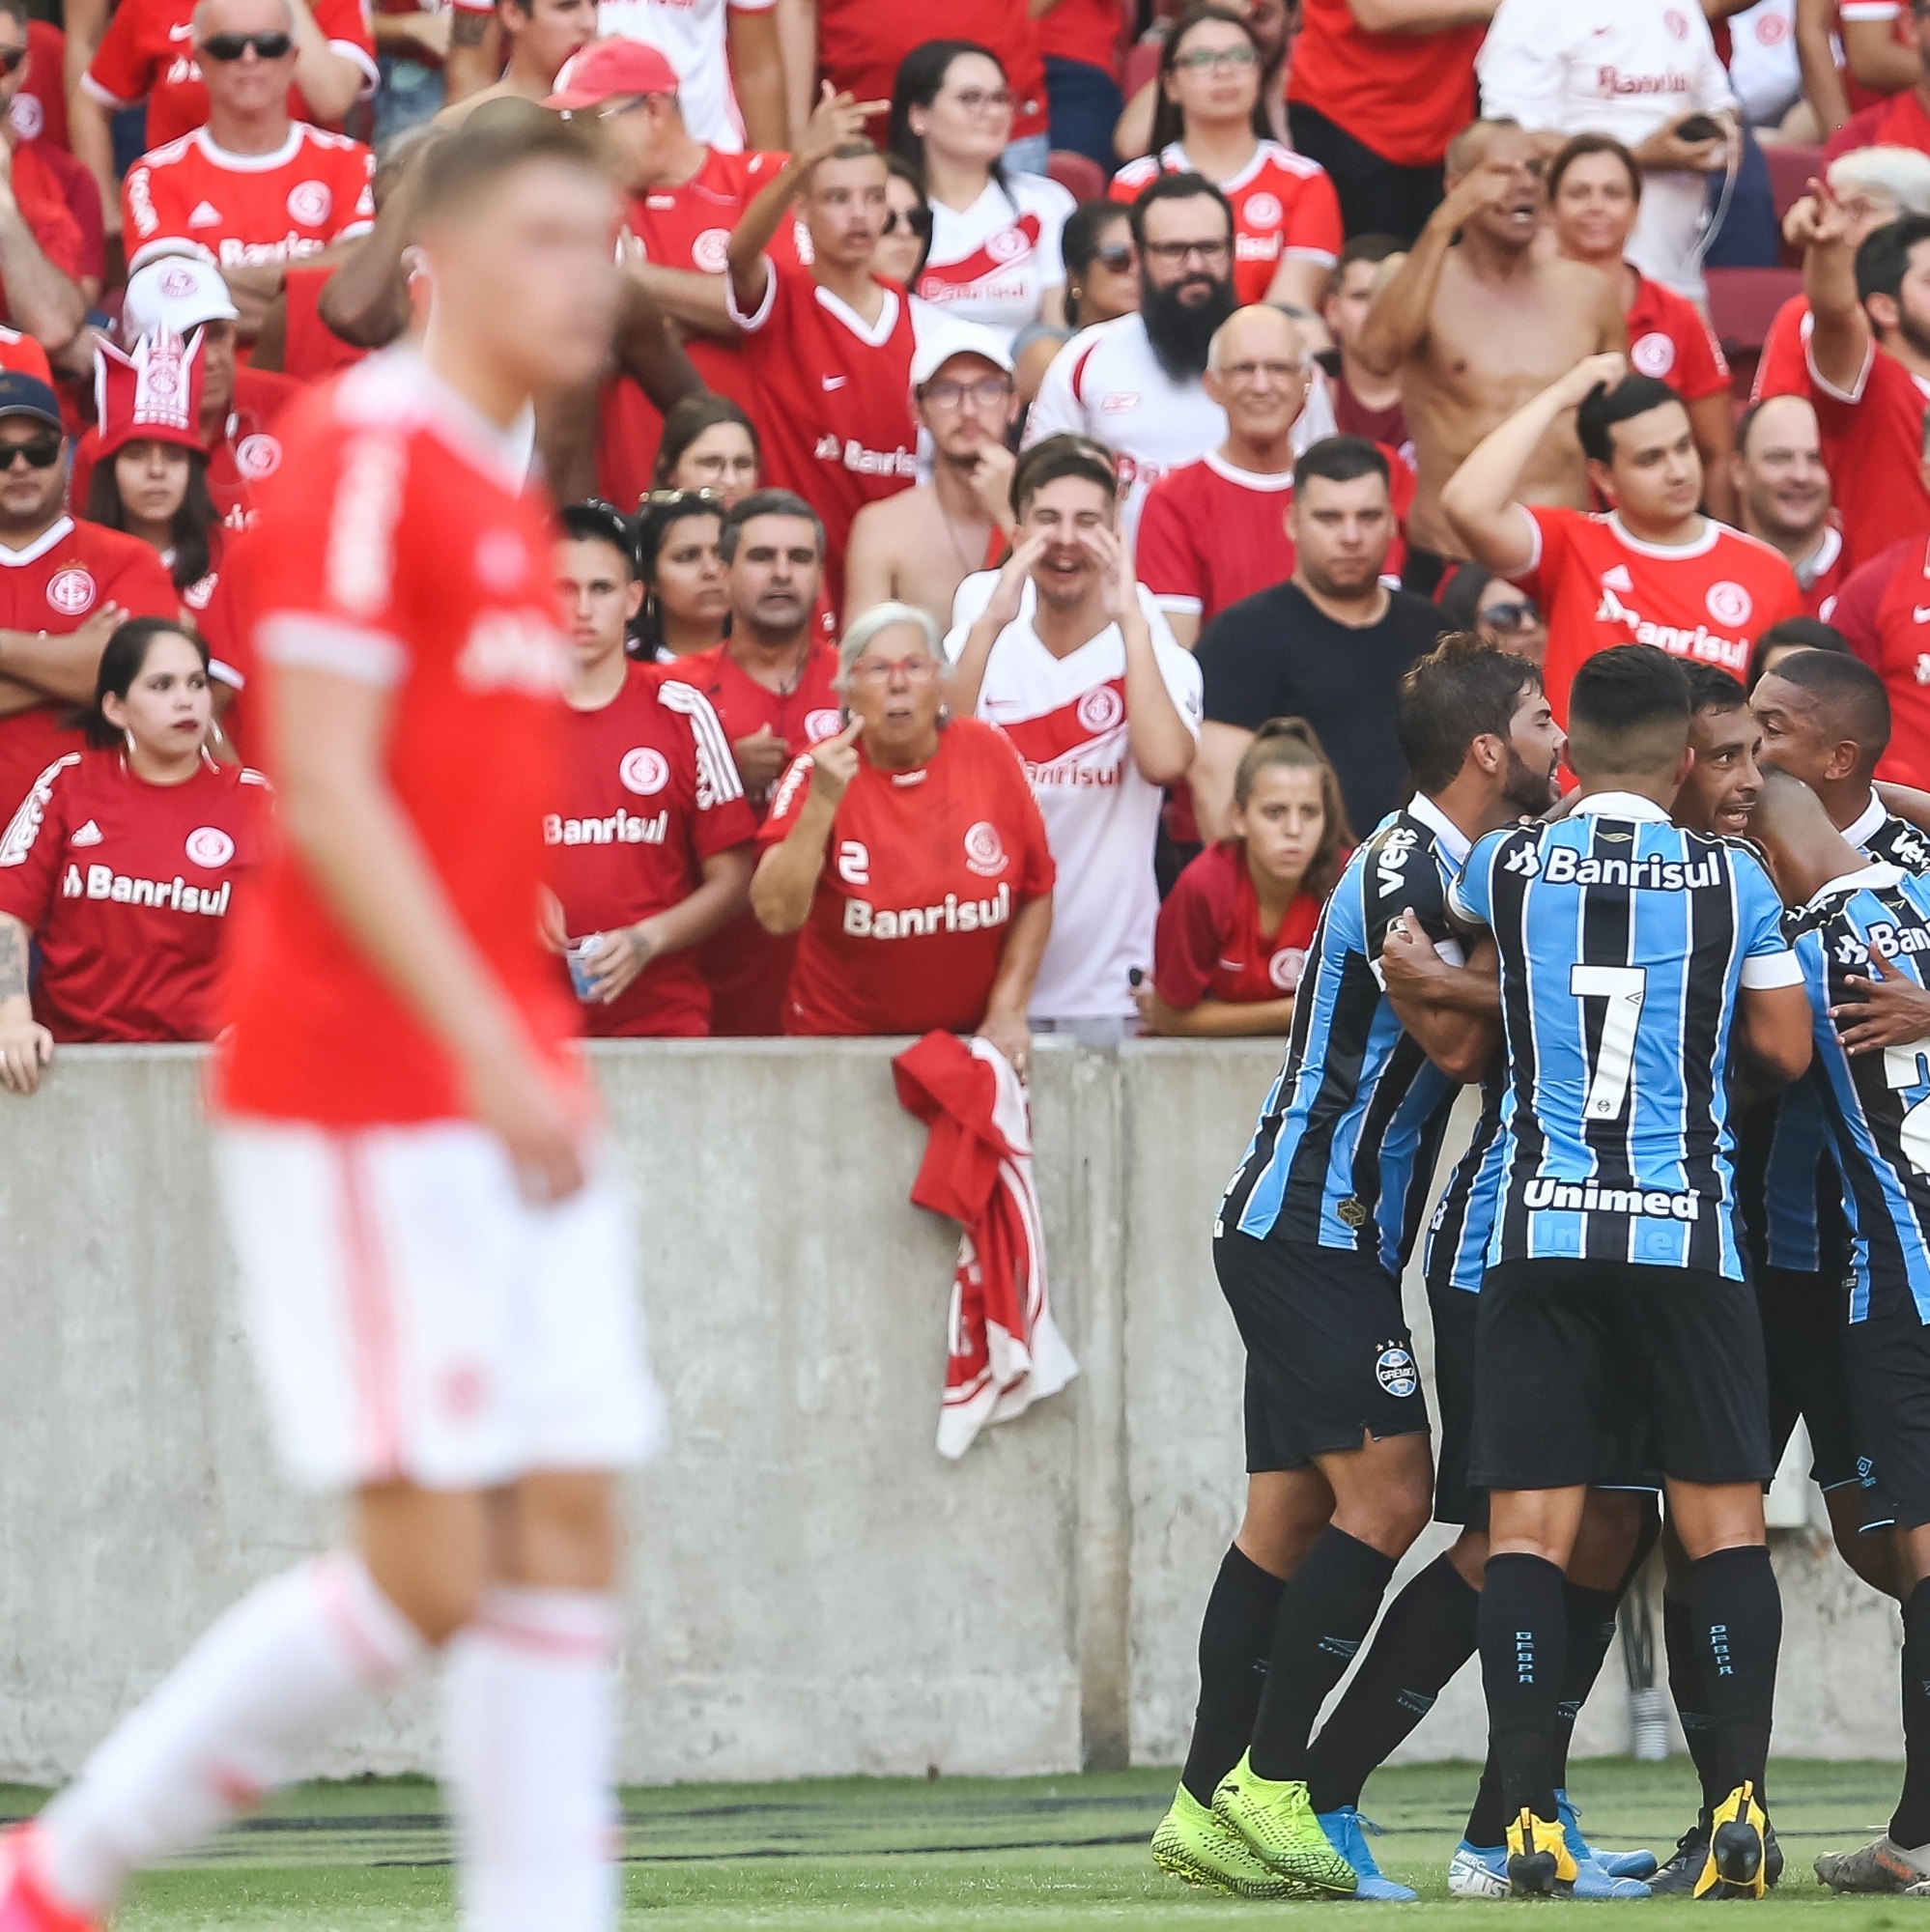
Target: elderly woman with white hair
908, 855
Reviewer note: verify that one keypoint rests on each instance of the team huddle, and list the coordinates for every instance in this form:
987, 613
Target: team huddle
1695, 1207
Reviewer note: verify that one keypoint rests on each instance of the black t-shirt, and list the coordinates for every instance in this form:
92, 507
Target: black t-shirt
1274, 655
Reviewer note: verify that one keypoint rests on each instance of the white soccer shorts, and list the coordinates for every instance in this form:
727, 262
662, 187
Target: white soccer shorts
415, 1319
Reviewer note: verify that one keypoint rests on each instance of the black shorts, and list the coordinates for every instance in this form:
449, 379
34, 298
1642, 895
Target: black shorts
1887, 1359
1803, 1338
1328, 1355
1571, 1357
1456, 1500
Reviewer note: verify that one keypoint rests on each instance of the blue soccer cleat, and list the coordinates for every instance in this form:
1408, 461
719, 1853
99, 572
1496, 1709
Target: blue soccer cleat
1617, 1864
1346, 1833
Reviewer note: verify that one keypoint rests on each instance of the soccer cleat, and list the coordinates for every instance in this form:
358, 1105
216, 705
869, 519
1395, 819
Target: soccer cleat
1540, 1864
1738, 1866
1771, 1858
1680, 1873
1478, 1871
1193, 1845
1275, 1819
1882, 1866
1346, 1833
1617, 1864
24, 1906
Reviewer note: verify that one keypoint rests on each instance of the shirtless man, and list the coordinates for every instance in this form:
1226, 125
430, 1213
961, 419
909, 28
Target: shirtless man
542, 35
1477, 330
920, 545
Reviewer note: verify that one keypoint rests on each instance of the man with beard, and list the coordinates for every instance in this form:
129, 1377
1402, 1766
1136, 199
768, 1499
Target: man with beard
1784, 490
1135, 383
1475, 330
1331, 645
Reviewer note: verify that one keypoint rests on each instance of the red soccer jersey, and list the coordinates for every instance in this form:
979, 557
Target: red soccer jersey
1404, 96
833, 402
1872, 438
649, 792
128, 888
861, 45
243, 209
399, 549
1883, 611
310, 350
1283, 204
1669, 340
1598, 586
55, 585
147, 54
1208, 944
1783, 368
746, 967
925, 871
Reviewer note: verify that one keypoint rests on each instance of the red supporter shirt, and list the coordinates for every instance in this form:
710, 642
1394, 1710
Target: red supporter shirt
1598, 586
1080, 30
55, 585
1883, 611
1900, 122
147, 54
1208, 944
648, 793
1669, 340
243, 209
1404, 96
861, 44
747, 968
833, 402
23, 354
1782, 369
1822, 579
1210, 535
399, 549
1872, 438
1283, 205
227, 628
39, 108
310, 349
128, 888
925, 872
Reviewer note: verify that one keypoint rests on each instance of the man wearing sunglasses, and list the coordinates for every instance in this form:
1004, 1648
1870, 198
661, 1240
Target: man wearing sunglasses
252, 189
66, 585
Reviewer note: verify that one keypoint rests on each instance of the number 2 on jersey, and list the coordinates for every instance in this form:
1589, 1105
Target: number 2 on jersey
1903, 1069
1624, 987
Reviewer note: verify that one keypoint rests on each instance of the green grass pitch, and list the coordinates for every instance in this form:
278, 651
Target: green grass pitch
1037, 1852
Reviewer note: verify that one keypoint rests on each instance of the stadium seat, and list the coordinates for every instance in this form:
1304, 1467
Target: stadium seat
1791, 169
1742, 303
1079, 174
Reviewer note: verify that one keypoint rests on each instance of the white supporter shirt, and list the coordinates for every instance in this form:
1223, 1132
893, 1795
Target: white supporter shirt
1614, 66
690, 33
993, 262
1068, 719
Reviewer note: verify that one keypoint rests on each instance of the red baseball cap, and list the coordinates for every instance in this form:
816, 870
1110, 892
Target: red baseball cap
606, 68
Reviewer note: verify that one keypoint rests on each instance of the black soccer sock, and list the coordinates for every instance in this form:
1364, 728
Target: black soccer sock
1235, 1640
1910, 1826
1739, 1631
1487, 1822
1328, 1609
1687, 1685
1524, 1630
1591, 1629
1426, 1636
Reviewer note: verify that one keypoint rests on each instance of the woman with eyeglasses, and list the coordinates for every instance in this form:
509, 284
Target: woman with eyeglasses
1101, 282
681, 569
1212, 121
709, 443
906, 238
994, 257
940, 919
1276, 27
1474, 599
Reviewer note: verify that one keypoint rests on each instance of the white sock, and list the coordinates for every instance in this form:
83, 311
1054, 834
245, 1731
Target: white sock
529, 1730
230, 1723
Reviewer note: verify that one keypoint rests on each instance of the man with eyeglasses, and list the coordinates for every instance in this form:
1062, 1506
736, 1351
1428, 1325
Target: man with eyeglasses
66, 585
148, 56
920, 545
1135, 383
253, 188
1785, 498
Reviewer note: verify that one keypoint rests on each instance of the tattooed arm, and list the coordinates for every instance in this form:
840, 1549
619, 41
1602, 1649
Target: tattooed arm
25, 1046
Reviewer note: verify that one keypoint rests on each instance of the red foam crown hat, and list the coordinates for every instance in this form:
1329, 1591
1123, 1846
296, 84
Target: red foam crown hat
152, 391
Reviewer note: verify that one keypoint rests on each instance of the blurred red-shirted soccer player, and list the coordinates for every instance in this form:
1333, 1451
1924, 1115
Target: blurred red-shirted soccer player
435, 1267
649, 835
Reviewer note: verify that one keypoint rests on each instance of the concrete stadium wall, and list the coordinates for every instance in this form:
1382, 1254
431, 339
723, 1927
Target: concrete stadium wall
813, 1589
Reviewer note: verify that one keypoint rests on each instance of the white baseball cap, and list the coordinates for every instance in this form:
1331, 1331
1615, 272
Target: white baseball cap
177, 291
935, 349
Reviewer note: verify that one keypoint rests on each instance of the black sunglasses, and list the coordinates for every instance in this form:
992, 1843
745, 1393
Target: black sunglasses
917, 220
231, 46
10, 58
42, 452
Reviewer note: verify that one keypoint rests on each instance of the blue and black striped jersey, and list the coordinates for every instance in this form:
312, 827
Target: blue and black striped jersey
1877, 1104
1347, 1136
1456, 1255
1624, 943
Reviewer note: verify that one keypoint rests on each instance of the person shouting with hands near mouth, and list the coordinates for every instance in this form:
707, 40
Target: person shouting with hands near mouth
1066, 653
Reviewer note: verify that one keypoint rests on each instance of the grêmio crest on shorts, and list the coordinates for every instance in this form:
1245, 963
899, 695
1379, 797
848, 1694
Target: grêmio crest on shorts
1625, 943
1347, 1139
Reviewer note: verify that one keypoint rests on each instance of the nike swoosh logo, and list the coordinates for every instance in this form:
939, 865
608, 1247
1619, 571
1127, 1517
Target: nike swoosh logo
1921, 613
833, 381
186, 32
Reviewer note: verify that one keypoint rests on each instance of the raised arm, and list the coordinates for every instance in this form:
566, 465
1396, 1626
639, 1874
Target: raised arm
785, 881
1397, 323
330, 82
1816, 61
1841, 337
1157, 734
968, 670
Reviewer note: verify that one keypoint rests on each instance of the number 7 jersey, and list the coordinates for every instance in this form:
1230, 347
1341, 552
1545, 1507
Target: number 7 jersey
1625, 945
